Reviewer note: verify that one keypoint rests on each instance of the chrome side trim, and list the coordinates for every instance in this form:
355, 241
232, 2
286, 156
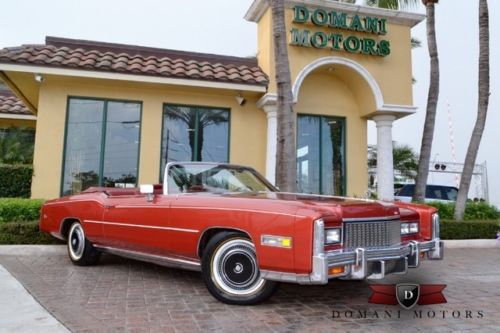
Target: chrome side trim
285, 277
140, 206
319, 274
435, 225
152, 258
142, 226
437, 252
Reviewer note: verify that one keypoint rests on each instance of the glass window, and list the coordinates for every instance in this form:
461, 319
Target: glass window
193, 133
189, 178
102, 144
121, 150
321, 155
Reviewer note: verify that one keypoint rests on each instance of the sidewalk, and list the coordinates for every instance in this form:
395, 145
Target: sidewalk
20, 312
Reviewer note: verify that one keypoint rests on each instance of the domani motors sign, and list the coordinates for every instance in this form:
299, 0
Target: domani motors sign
335, 40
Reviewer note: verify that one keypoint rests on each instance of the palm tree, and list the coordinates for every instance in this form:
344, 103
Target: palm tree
391, 4
286, 154
432, 100
404, 158
17, 145
482, 109
189, 117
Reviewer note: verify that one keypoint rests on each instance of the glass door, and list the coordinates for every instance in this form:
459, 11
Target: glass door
321, 155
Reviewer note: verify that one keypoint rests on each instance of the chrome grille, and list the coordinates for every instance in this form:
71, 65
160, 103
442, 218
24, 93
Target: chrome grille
372, 234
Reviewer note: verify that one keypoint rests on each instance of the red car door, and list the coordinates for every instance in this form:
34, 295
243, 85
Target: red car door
133, 223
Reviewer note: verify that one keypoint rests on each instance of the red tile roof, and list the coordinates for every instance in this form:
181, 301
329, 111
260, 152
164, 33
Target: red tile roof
128, 59
10, 104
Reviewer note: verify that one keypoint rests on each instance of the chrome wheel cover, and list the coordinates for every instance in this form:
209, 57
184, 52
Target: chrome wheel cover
234, 268
76, 241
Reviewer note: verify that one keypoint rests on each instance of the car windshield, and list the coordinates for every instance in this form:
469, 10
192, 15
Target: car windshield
213, 178
431, 192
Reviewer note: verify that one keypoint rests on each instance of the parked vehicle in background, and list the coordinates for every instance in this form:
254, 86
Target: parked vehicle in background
243, 235
440, 193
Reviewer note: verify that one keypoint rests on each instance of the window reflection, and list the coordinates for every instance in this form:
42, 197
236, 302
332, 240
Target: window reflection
121, 150
97, 155
192, 133
320, 155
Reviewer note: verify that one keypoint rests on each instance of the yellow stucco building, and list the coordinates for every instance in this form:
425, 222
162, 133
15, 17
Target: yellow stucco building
114, 115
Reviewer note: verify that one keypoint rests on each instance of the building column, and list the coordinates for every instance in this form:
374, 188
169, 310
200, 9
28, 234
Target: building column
385, 166
268, 103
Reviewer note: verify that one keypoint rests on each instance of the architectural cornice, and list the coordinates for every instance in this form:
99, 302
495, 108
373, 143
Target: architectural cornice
259, 7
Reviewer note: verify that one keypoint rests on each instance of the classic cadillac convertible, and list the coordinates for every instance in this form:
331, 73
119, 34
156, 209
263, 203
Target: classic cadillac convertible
243, 235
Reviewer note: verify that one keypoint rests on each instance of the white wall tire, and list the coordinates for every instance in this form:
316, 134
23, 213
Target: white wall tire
231, 272
80, 250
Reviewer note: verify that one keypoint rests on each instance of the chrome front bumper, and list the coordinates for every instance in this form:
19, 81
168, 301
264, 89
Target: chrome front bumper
361, 263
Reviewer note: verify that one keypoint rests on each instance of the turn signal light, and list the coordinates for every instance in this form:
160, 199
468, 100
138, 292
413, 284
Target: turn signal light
277, 241
336, 270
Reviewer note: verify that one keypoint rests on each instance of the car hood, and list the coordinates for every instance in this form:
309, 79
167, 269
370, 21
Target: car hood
346, 208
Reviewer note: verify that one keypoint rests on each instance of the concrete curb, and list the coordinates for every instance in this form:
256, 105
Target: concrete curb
20, 312
32, 249
471, 243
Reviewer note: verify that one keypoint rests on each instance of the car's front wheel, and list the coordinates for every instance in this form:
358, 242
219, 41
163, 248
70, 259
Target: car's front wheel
80, 250
231, 272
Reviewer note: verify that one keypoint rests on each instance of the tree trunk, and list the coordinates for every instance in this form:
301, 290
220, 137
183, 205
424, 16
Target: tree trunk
286, 154
482, 109
432, 100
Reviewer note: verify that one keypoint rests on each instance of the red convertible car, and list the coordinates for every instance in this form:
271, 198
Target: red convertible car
243, 235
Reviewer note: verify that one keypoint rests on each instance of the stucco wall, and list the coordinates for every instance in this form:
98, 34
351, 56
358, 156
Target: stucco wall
247, 128
392, 73
326, 94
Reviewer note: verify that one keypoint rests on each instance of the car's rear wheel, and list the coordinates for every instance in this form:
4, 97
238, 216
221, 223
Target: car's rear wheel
80, 250
231, 272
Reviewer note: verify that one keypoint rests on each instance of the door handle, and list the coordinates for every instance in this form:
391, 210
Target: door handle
109, 206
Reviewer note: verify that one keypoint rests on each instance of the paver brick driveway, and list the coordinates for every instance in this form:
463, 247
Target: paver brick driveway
121, 295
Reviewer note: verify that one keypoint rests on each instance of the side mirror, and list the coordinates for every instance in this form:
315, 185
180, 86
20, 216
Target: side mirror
147, 189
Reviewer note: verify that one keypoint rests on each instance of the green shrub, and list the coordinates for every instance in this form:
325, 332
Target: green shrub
15, 181
469, 229
24, 233
17, 209
473, 211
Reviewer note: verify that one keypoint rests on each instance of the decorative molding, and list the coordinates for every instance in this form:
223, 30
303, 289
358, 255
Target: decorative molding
399, 111
377, 92
268, 99
394, 108
259, 7
131, 77
384, 119
17, 116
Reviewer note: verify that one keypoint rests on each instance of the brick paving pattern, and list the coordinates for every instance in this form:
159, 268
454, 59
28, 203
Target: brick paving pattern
121, 295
